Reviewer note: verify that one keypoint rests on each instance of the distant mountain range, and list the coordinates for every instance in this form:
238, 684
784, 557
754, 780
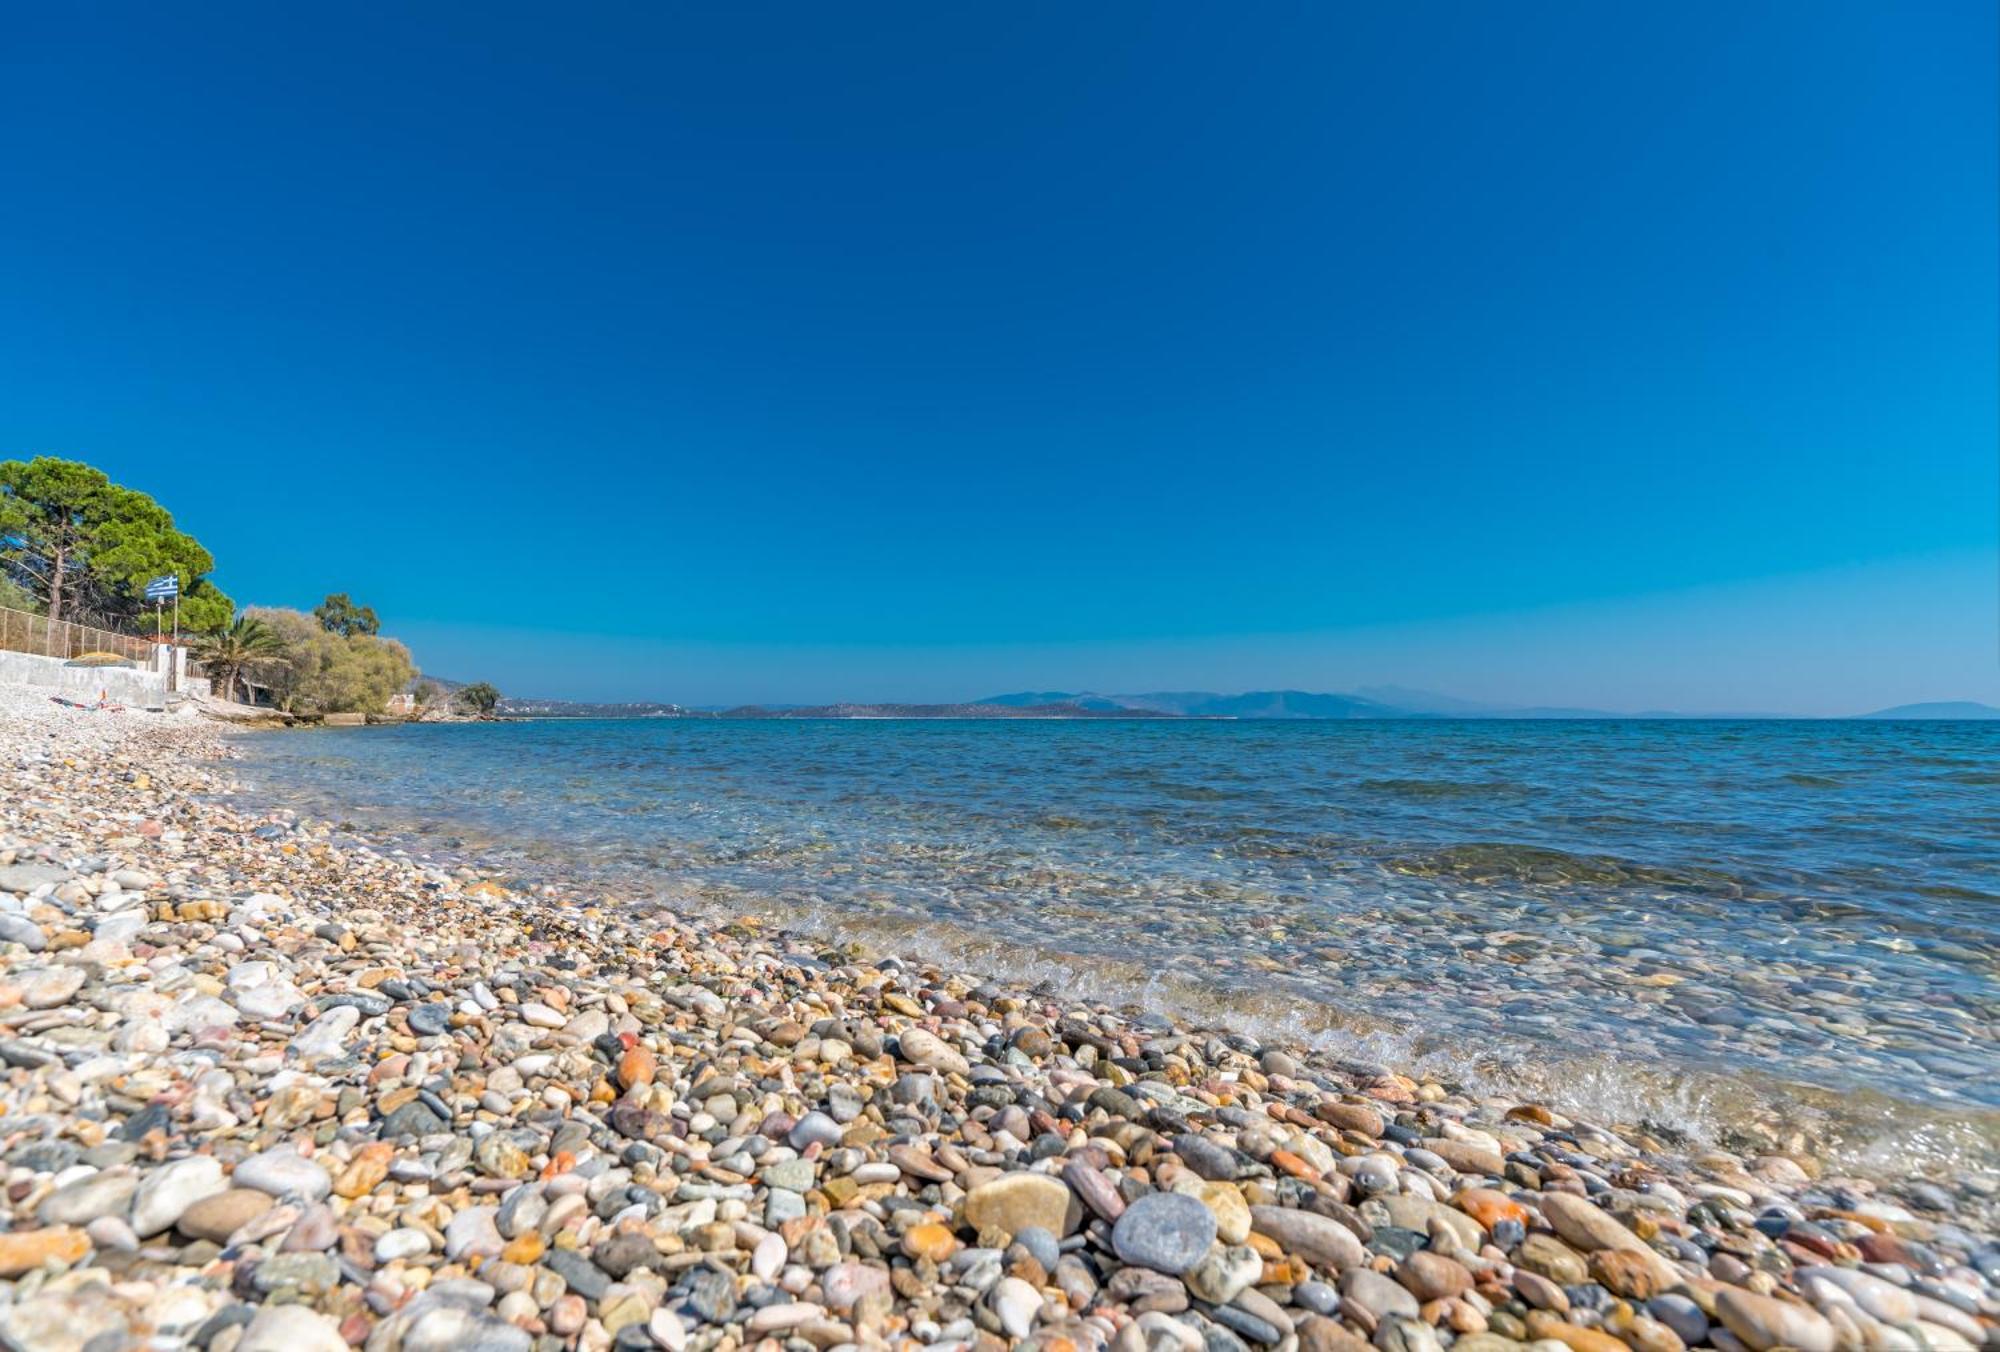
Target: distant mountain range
556, 708
1368, 702
977, 709
1401, 702
1208, 704
565, 708
1947, 709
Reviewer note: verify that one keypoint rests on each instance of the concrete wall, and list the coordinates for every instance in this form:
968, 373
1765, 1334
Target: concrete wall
124, 685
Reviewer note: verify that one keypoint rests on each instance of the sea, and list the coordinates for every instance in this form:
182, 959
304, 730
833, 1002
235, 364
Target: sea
1732, 932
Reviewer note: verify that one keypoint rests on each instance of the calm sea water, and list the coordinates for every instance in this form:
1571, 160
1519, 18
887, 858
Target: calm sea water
1711, 919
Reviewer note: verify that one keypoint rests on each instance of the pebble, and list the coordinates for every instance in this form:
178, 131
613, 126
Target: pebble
1682, 1315
1431, 1276
1764, 1322
1375, 1293
18, 929
472, 1234
283, 1172
1015, 1303
1219, 1275
47, 987
928, 1050
815, 1128
326, 1035
583, 1276
1020, 1201
1317, 1297
664, 1327
88, 1198
1165, 1231
216, 1218
1041, 1245
291, 1328
400, 1244
27, 1250
776, 1318
1319, 1240
172, 1189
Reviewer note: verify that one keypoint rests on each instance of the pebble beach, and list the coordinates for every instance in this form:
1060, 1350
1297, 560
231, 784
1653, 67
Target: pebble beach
268, 1089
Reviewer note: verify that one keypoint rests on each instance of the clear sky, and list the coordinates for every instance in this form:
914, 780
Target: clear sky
1582, 353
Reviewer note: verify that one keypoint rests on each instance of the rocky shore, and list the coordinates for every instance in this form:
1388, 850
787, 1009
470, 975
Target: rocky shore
269, 1092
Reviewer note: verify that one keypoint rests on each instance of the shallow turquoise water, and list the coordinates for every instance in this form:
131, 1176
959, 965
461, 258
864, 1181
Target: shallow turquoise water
1815, 902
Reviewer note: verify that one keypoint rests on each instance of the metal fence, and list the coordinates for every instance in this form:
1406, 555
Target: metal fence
24, 633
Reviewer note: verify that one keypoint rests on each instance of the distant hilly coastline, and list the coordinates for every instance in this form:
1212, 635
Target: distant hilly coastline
977, 709
1402, 702
555, 708
1961, 709
1370, 702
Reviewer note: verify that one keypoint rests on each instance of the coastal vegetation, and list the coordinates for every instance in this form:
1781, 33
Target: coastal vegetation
76, 546
338, 614
318, 669
247, 643
480, 698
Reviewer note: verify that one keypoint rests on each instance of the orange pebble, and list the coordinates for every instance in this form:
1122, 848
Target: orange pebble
930, 1241
637, 1067
1489, 1207
1293, 1165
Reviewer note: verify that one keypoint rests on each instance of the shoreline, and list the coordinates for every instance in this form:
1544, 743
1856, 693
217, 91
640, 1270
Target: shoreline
1857, 1129
1606, 1045
272, 1092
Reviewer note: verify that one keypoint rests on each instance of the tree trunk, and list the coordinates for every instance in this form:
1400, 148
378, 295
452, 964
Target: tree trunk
56, 561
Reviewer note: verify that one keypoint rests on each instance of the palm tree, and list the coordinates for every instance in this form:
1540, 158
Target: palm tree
244, 643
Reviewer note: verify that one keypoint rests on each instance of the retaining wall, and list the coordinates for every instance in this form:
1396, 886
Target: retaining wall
123, 685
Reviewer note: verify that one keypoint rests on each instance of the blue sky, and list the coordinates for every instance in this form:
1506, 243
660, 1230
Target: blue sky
802, 352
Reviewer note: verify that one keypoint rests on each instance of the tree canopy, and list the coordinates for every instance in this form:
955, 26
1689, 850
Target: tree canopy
319, 671
338, 614
76, 546
479, 698
84, 548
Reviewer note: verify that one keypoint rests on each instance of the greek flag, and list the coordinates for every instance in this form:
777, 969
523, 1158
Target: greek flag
161, 588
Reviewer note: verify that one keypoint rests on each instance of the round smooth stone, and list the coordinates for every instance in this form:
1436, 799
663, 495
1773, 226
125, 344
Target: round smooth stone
1165, 1231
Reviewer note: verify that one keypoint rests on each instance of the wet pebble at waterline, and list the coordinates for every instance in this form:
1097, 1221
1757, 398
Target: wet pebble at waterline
658, 1134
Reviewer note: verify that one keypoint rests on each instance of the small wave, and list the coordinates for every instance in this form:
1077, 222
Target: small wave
1501, 861
1864, 1133
1951, 892
1806, 781
1447, 788
1191, 793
